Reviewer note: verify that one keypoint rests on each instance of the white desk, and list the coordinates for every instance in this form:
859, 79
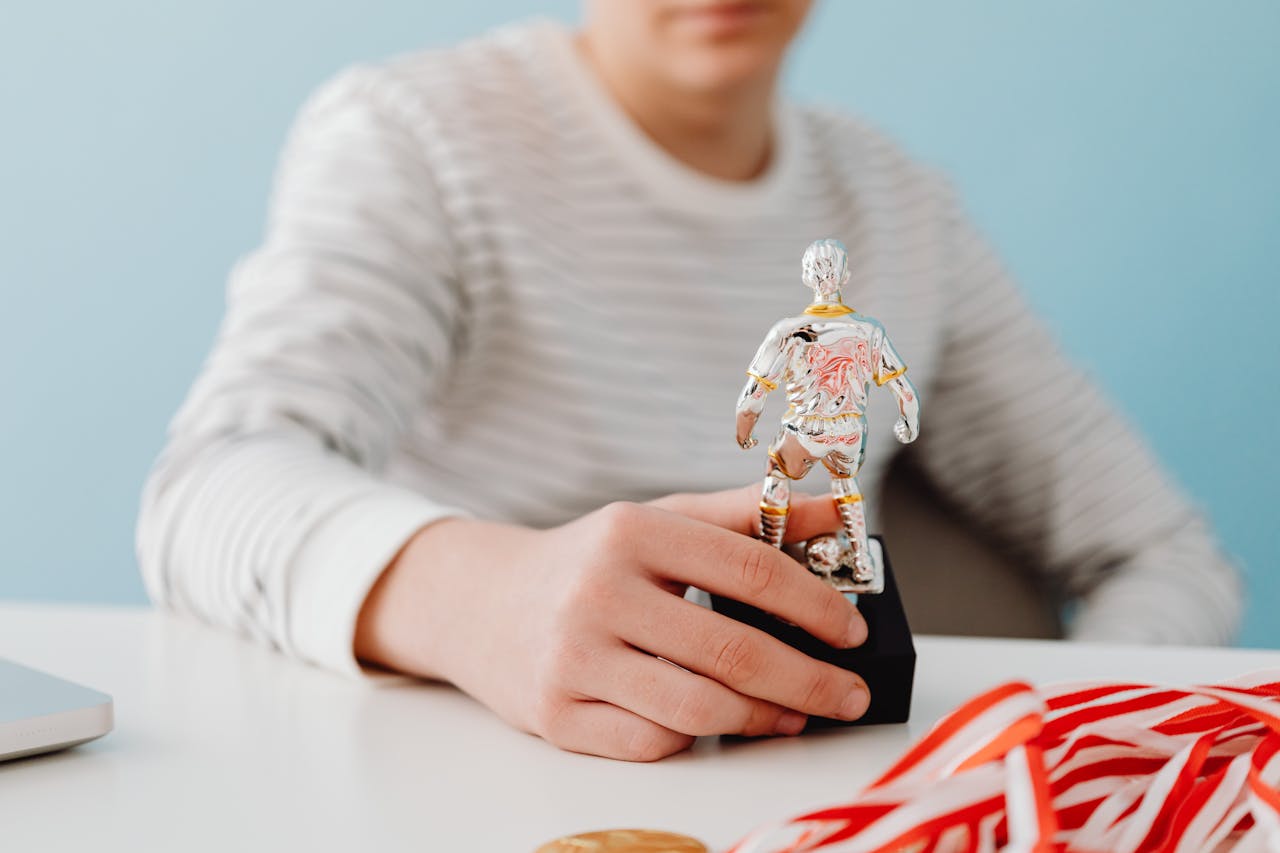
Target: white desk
222, 745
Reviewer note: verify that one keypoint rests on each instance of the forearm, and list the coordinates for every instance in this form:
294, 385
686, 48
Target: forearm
1179, 591
1030, 448
908, 402
746, 424
267, 512
274, 537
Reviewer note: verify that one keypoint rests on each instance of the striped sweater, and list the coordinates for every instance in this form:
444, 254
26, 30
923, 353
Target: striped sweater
483, 291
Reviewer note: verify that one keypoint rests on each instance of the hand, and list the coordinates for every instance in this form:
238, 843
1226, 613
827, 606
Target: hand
906, 431
748, 442
567, 632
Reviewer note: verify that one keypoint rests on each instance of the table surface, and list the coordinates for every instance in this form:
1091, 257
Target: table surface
224, 745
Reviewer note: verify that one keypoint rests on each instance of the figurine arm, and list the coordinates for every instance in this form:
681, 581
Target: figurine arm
891, 371
763, 376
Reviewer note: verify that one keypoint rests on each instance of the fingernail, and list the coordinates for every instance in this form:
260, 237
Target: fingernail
791, 723
854, 704
856, 633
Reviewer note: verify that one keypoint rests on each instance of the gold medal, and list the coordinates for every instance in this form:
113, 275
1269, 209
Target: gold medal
624, 841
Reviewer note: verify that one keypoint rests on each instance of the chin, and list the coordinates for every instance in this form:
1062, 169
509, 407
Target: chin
719, 44
724, 67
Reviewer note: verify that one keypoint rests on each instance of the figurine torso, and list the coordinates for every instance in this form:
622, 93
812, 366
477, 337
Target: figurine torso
830, 364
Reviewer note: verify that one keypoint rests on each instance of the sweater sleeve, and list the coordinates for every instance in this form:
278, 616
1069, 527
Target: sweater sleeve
265, 512
1026, 444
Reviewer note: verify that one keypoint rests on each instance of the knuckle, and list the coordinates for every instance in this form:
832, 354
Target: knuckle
647, 743
833, 611
758, 571
694, 715
736, 660
547, 714
819, 691
621, 516
762, 718
617, 527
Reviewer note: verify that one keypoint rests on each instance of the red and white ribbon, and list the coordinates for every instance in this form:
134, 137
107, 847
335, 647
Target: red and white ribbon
1120, 768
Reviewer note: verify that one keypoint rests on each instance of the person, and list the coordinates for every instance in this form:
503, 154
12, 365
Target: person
465, 416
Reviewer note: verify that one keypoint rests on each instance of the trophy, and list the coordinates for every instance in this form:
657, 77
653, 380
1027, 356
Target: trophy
825, 360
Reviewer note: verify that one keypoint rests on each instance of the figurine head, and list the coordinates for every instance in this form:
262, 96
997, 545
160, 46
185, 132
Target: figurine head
825, 267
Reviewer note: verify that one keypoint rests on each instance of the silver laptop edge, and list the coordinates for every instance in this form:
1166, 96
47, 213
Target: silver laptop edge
42, 713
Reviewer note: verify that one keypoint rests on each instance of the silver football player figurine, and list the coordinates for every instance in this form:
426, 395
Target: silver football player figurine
826, 360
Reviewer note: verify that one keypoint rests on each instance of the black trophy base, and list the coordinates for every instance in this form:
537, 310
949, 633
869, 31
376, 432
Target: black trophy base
886, 661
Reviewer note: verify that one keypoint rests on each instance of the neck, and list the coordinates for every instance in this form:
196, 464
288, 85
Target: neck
726, 134
828, 305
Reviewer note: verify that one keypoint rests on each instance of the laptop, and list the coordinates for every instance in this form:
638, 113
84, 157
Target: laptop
40, 713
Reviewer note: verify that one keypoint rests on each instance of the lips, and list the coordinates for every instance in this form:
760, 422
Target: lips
722, 19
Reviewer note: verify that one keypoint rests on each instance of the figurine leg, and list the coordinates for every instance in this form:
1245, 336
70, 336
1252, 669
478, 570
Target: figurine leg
847, 494
848, 498
775, 504
787, 461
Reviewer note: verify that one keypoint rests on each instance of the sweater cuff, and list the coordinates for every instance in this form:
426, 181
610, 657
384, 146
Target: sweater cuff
338, 564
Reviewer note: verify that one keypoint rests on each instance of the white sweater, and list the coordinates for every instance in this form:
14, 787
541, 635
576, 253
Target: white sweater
483, 291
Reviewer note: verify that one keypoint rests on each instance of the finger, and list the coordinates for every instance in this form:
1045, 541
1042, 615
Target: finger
684, 701
674, 547
745, 660
598, 728
739, 510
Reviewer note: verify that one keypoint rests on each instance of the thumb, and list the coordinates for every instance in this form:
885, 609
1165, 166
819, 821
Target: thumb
739, 510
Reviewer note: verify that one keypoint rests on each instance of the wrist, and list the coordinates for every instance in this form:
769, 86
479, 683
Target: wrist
401, 625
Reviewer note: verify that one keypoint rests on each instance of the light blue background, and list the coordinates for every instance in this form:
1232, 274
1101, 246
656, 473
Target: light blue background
1125, 157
